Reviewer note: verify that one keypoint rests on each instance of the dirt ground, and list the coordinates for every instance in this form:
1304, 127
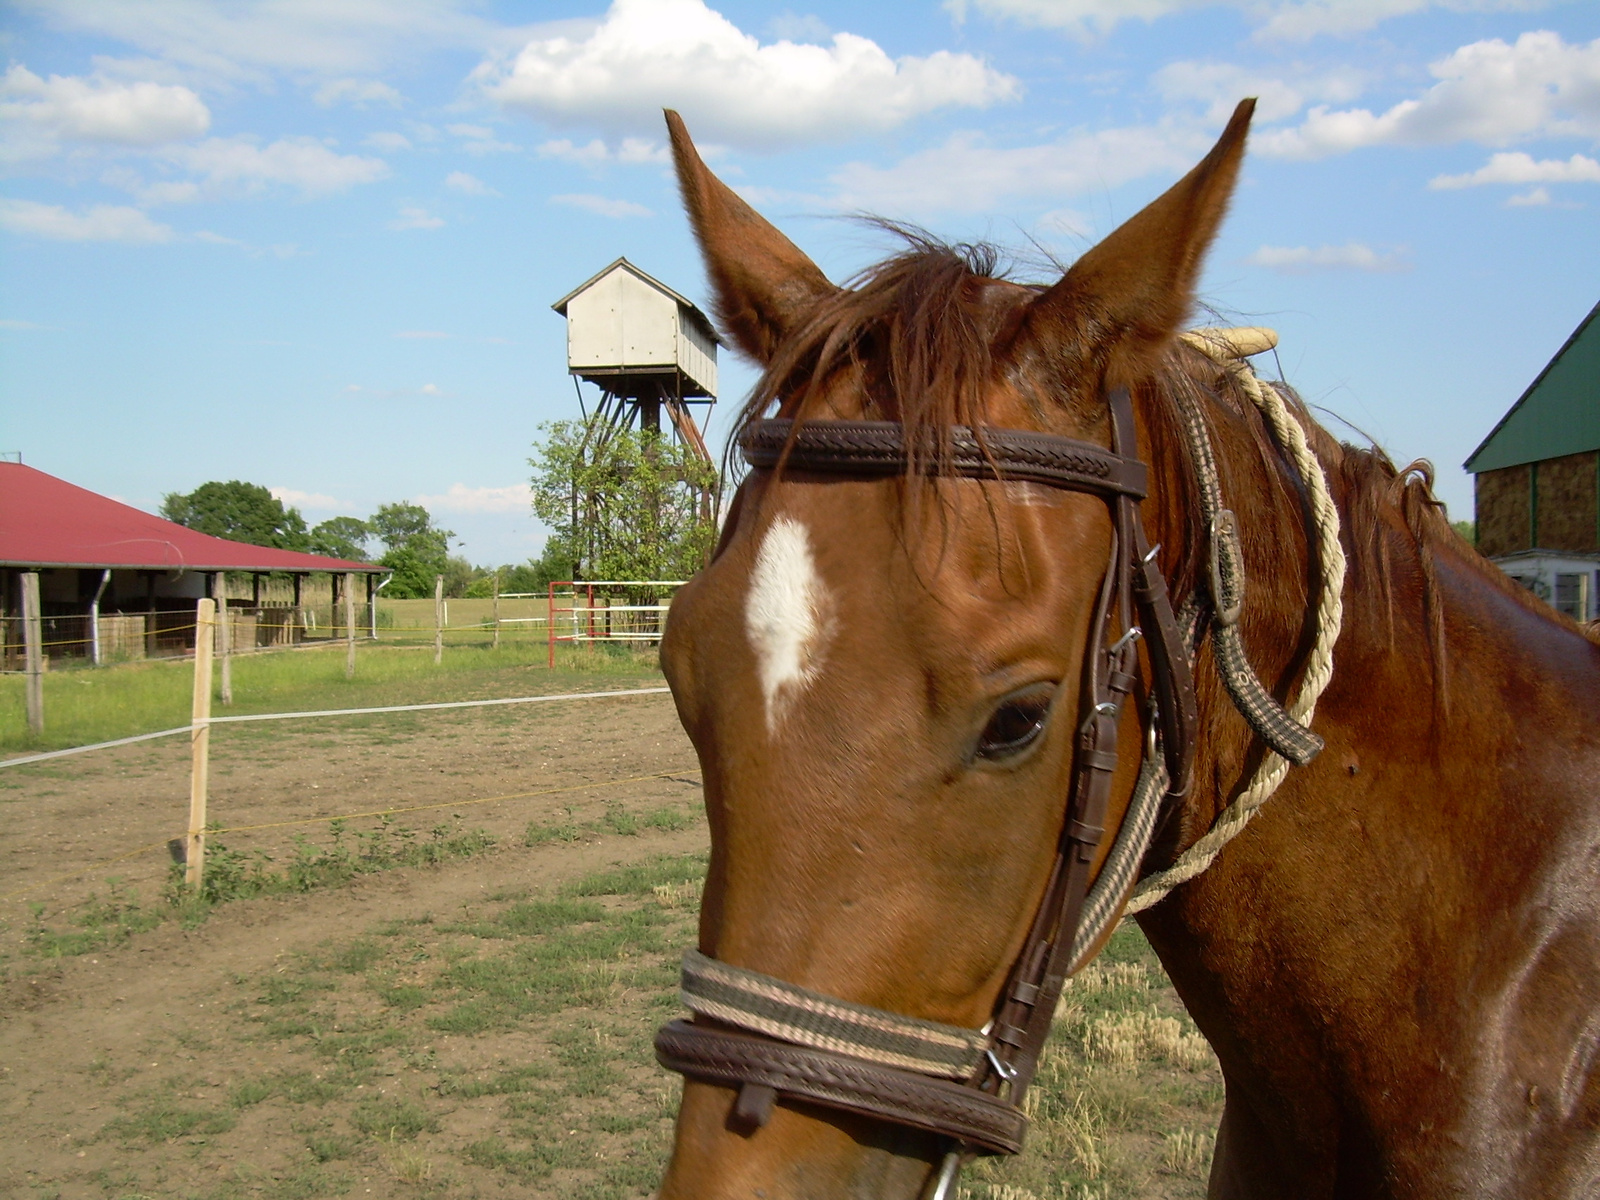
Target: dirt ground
476, 1028
104, 1037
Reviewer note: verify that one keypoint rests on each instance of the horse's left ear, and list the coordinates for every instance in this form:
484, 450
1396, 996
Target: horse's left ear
1128, 295
765, 285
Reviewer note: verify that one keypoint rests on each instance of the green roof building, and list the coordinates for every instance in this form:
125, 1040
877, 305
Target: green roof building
1536, 477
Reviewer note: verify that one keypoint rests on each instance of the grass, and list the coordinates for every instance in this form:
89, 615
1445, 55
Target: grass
510, 1050
1124, 1086
87, 705
100, 924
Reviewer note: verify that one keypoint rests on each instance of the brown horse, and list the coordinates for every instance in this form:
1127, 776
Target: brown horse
1397, 962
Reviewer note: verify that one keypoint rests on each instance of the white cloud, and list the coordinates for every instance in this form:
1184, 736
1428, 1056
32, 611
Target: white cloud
416, 218
387, 140
1079, 17
631, 150
238, 164
967, 174
41, 113
249, 41
647, 54
8, 323
1311, 18
1352, 256
602, 206
1275, 19
793, 27
1488, 92
1537, 198
470, 184
518, 497
356, 92
102, 223
1518, 168
312, 500
421, 335
480, 139
280, 250
430, 389
1220, 86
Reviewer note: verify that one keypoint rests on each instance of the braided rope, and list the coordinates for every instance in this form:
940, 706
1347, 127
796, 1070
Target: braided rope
1217, 346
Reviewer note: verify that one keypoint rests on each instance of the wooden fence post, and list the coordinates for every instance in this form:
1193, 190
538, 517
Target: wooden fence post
438, 619
33, 650
199, 743
350, 625
224, 635
497, 610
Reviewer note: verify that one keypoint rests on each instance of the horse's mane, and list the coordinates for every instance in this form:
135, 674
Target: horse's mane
925, 331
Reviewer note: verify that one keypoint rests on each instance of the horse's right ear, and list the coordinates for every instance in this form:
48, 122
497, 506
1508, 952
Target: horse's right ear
765, 286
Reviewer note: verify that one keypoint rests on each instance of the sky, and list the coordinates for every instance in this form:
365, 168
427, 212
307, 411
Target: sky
313, 244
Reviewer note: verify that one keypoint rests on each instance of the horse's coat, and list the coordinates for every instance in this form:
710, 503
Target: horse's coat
1397, 963
784, 615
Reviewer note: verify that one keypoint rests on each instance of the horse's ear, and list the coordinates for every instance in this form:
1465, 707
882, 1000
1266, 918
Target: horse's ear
1127, 296
764, 285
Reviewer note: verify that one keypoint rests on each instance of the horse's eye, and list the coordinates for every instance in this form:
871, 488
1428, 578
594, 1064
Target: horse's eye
1016, 724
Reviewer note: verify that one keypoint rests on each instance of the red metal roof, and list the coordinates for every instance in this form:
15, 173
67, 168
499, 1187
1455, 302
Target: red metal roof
48, 522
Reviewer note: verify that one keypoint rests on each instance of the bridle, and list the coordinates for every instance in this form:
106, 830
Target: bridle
771, 1037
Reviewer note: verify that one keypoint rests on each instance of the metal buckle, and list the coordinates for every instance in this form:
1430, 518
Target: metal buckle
1227, 578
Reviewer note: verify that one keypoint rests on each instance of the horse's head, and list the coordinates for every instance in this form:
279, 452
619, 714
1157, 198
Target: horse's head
884, 674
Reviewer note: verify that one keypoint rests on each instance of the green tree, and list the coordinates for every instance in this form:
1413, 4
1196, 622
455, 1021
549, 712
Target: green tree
241, 512
622, 503
1467, 529
414, 548
342, 537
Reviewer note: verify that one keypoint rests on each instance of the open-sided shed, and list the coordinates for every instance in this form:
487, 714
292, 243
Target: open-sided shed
112, 578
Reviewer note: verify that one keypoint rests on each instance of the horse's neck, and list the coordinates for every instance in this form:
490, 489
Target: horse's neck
1343, 953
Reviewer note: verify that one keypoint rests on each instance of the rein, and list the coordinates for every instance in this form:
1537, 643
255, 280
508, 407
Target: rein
967, 1085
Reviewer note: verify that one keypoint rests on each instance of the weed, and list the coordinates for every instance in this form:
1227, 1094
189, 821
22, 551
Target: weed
250, 1092
99, 925
326, 1148
641, 879
1186, 1152
390, 1119
538, 835
668, 820
620, 821
164, 1121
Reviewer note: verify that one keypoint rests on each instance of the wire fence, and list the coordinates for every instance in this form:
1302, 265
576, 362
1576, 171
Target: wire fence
199, 771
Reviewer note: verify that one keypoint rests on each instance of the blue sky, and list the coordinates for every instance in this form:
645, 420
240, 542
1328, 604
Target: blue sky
312, 244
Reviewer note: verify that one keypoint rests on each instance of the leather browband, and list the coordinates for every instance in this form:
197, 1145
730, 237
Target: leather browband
878, 448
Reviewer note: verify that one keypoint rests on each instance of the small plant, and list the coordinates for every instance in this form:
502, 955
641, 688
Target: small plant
538, 835
99, 924
622, 822
668, 820
1187, 1152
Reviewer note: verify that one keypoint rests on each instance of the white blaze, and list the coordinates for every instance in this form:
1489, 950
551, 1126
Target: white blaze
784, 614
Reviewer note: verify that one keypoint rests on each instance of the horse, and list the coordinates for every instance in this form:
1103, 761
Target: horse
969, 560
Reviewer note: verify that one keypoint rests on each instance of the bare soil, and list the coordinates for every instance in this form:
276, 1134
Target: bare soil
479, 1027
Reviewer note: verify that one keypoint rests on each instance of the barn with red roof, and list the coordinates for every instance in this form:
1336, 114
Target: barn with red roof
114, 579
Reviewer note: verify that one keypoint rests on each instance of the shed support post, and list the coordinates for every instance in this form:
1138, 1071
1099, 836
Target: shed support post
350, 625
33, 649
438, 619
219, 589
94, 615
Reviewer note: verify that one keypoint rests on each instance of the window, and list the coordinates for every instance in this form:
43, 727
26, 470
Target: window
1572, 595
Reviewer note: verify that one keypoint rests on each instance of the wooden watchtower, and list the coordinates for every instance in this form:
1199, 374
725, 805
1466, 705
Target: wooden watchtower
647, 348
